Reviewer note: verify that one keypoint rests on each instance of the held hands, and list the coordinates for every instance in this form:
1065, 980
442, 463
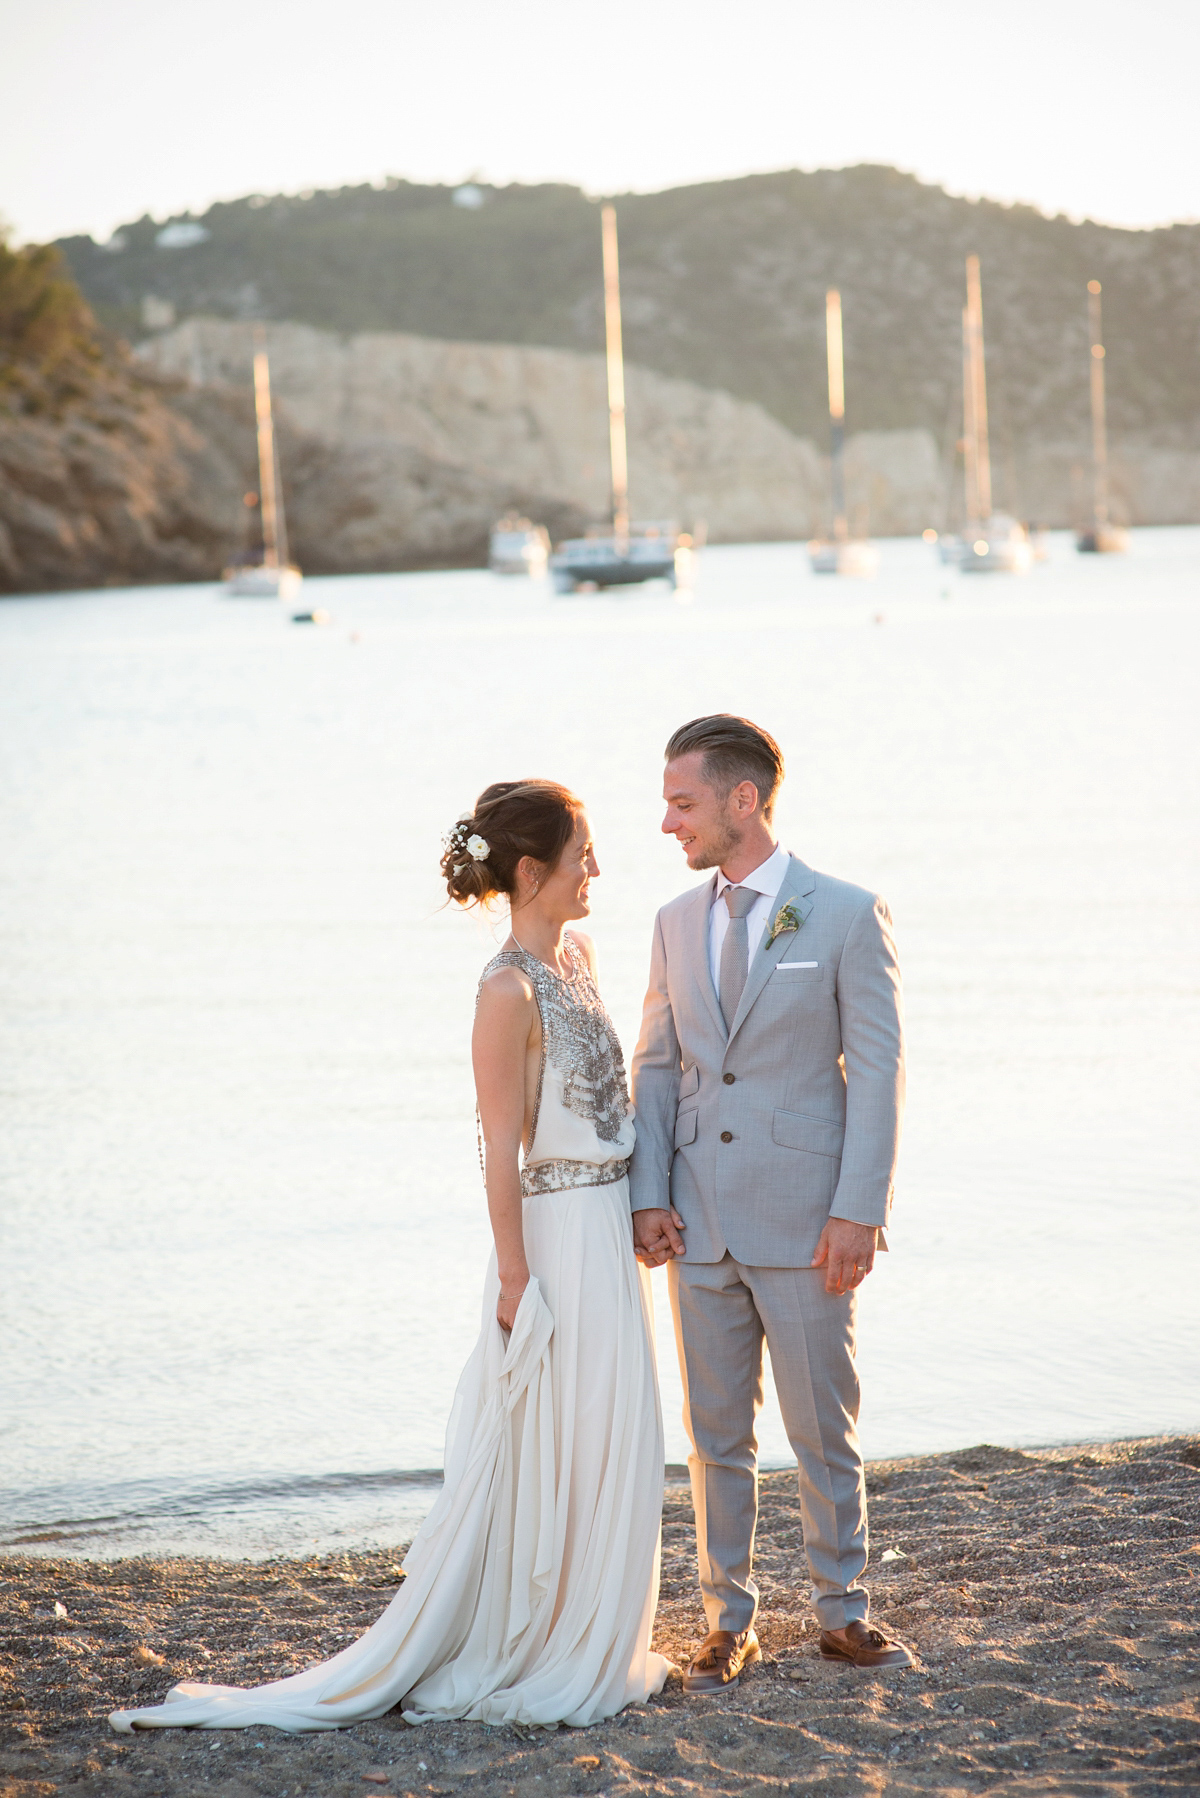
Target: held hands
509, 1301
657, 1235
847, 1252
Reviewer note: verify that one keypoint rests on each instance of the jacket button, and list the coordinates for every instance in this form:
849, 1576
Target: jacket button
727, 1136
728, 1079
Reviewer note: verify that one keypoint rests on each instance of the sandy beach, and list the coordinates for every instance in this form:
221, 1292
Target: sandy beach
1051, 1597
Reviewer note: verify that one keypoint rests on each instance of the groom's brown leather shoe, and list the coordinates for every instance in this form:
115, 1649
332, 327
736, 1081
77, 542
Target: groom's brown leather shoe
722, 1655
860, 1646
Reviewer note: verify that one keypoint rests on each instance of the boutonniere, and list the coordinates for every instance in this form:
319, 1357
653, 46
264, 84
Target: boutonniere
786, 918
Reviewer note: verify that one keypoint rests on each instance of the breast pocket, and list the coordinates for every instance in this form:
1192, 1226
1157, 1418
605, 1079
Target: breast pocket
791, 973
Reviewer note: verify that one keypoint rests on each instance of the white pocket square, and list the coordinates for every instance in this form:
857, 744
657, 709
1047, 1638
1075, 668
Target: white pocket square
795, 964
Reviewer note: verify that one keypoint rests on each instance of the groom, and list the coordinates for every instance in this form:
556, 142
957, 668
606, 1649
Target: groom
768, 1083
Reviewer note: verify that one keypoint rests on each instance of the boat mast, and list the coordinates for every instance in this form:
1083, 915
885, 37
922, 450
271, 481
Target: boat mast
975, 419
616, 377
837, 410
1099, 423
969, 444
274, 528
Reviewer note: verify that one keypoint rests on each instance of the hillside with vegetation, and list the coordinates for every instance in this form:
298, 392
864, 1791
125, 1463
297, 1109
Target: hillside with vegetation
724, 285
105, 474
51, 352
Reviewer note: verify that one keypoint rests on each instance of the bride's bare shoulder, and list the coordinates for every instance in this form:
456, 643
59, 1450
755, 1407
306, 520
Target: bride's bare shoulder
506, 1012
506, 985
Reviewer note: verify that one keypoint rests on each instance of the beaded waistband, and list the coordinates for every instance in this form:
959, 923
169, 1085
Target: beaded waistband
562, 1175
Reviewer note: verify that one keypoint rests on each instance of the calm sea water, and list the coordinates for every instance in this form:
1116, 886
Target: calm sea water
243, 1230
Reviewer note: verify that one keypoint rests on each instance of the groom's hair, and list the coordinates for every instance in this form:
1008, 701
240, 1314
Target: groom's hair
734, 750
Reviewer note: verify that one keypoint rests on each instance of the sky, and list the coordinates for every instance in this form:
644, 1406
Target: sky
113, 108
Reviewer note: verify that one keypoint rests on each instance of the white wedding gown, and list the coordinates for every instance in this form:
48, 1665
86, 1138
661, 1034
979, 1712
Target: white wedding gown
531, 1587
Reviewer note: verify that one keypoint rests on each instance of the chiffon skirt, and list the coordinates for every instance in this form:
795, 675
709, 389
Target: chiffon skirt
531, 1587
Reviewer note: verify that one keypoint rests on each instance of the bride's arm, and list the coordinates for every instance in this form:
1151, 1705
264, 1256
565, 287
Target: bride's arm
504, 1022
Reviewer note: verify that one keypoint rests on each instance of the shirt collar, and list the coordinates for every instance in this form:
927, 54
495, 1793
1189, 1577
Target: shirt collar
767, 878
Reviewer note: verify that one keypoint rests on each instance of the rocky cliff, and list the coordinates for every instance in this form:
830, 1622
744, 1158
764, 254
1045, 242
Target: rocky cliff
399, 450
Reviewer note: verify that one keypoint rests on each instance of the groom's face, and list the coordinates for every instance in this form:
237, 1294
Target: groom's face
702, 821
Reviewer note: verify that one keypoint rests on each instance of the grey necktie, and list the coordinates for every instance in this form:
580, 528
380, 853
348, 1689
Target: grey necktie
735, 953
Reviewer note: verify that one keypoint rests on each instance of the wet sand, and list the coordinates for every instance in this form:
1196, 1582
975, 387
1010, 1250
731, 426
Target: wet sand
1052, 1598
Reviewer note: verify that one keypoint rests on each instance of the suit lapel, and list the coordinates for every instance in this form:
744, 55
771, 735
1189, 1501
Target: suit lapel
697, 929
798, 885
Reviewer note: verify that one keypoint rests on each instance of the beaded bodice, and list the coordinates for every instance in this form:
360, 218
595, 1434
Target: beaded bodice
581, 1072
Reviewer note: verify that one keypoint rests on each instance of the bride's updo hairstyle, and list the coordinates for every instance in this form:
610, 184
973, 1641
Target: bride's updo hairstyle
511, 818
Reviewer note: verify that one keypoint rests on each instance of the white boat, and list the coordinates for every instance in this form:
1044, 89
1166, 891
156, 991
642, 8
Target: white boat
851, 556
518, 547
1103, 538
991, 542
840, 554
258, 580
1000, 546
629, 554
273, 576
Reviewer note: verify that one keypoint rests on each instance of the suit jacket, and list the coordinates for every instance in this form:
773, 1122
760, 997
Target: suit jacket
759, 1133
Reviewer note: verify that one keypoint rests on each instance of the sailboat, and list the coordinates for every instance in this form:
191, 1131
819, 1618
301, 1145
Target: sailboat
1103, 538
518, 546
275, 577
631, 554
991, 541
844, 554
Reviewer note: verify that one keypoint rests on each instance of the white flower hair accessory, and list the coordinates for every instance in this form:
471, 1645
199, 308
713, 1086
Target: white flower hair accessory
459, 841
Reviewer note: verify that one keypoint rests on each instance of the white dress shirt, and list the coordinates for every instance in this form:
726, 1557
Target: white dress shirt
766, 880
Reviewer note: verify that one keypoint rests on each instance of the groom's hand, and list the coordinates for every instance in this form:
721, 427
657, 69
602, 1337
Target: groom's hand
657, 1235
847, 1253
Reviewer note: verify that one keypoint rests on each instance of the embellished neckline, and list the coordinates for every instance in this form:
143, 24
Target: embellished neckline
578, 1040
578, 962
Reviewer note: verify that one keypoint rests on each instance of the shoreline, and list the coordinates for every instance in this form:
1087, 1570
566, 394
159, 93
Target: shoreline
106, 1542
1051, 1597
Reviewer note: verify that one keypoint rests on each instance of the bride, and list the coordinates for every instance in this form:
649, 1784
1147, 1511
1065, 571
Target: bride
530, 1590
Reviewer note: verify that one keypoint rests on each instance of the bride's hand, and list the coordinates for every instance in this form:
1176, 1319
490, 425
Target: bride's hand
509, 1301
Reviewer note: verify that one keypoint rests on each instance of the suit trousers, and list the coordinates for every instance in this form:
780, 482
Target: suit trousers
723, 1312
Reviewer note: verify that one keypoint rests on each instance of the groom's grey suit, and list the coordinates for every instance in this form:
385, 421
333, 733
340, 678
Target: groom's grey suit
757, 1134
